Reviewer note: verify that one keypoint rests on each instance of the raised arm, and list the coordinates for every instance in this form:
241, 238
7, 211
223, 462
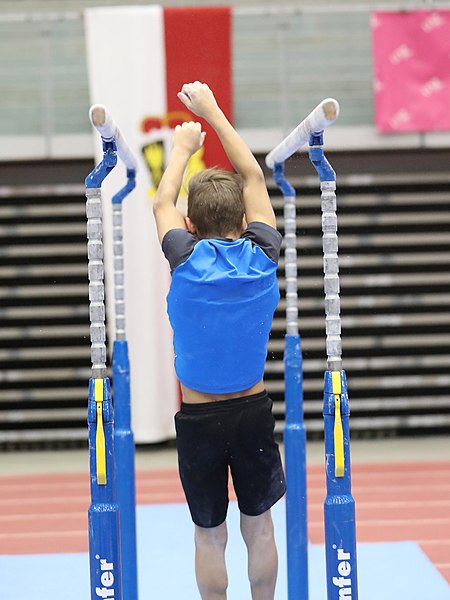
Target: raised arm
187, 139
200, 100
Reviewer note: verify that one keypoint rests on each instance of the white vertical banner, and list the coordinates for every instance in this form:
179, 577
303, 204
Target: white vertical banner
127, 71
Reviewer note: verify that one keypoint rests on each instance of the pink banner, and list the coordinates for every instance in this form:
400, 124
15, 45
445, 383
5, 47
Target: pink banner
412, 70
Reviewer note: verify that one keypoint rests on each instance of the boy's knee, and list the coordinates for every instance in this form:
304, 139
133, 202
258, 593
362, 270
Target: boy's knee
211, 536
257, 528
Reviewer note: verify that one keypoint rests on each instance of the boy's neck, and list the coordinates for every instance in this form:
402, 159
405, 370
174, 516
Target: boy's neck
234, 235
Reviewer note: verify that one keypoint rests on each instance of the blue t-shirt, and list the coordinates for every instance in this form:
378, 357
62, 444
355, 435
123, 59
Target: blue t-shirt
221, 303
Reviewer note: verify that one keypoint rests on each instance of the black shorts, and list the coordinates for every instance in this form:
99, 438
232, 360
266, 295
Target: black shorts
236, 434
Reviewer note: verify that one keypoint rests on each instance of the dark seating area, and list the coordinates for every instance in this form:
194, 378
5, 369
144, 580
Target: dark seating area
394, 251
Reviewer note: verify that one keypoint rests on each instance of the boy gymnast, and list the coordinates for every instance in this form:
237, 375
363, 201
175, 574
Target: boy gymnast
223, 294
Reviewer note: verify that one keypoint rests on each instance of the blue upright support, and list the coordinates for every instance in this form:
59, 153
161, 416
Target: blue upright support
123, 434
125, 468
339, 506
103, 515
322, 116
294, 430
295, 466
122, 444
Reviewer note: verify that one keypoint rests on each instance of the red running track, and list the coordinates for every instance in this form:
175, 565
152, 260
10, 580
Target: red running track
394, 502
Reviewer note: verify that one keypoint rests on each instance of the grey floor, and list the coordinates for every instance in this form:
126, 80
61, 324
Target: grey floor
362, 451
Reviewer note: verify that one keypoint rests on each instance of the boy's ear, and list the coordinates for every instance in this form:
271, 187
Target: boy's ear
244, 223
190, 226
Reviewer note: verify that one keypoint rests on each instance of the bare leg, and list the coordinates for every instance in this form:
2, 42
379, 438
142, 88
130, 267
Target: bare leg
262, 554
210, 568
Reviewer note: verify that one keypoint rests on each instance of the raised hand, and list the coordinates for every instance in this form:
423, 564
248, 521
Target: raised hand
199, 99
189, 137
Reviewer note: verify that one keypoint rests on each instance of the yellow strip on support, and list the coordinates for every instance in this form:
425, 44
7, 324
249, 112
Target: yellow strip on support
338, 431
100, 445
336, 382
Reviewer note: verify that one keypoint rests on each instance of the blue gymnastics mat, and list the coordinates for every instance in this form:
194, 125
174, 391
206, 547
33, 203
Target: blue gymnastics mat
392, 571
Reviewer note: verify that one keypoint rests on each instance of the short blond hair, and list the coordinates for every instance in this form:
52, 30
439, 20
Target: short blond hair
215, 202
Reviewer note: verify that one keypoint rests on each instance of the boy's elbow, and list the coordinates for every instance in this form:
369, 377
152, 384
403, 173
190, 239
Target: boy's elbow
167, 193
156, 205
163, 196
255, 174
258, 172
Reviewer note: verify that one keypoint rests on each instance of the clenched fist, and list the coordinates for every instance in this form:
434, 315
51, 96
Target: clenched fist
189, 137
199, 99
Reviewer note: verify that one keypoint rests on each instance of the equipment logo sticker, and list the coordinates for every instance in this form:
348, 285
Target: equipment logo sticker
106, 579
343, 582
